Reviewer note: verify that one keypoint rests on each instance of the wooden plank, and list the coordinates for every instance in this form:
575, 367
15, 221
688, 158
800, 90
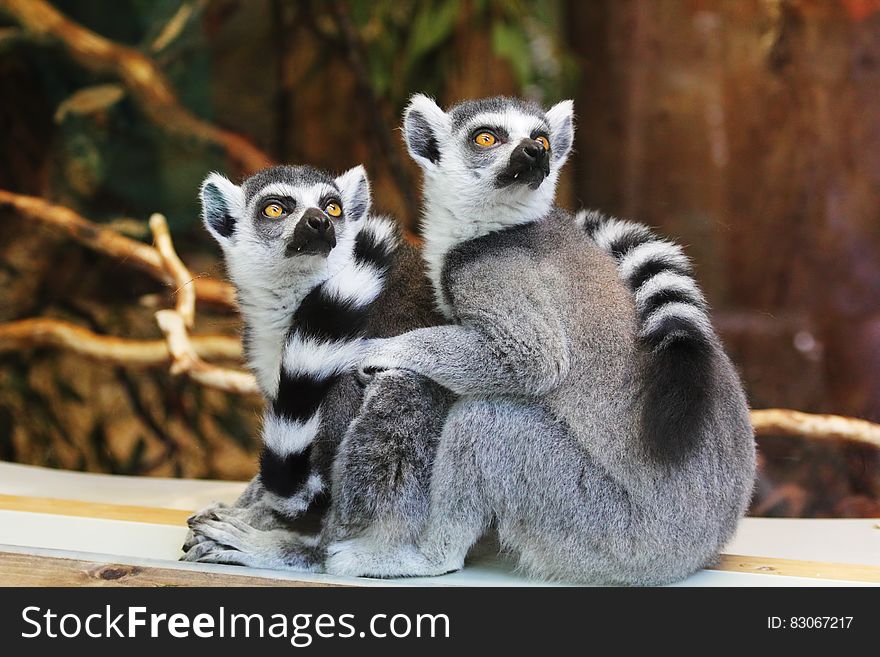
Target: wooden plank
130, 513
18, 569
796, 568
177, 518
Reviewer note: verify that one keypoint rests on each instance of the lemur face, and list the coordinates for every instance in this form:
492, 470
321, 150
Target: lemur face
500, 154
284, 221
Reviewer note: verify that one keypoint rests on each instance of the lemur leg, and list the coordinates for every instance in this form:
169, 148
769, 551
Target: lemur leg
458, 512
380, 487
502, 459
382, 473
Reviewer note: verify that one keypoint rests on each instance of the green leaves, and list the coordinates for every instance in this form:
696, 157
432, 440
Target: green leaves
432, 25
511, 43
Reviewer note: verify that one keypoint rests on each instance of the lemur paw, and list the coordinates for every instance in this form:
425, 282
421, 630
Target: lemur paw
219, 537
227, 538
193, 537
208, 551
223, 526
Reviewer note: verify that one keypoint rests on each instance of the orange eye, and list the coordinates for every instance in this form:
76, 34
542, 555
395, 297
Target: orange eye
485, 139
333, 209
541, 139
273, 211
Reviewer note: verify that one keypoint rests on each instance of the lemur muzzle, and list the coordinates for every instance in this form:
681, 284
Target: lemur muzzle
529, 164
314, 234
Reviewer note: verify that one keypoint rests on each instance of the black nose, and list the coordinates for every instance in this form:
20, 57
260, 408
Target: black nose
316, 220
532, 149
313, 234
529, 164
529, 153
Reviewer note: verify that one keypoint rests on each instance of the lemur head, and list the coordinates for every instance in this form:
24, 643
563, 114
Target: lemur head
284, 223
496, 155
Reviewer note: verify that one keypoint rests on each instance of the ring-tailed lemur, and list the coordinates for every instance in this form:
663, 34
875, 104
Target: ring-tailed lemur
606, 436
315, 273
306, 276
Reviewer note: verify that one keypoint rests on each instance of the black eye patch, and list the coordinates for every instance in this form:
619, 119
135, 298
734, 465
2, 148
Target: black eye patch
327, 199
500, 133
540, 132
286, 202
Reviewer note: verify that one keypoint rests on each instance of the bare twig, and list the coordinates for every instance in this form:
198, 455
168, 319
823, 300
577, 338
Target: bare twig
175, 26
186, 360
174, 324
786, 422
185, 290
144, 80
107, 241
45, 332
163, 263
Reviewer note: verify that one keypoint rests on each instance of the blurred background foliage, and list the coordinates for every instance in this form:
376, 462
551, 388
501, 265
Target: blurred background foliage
748, 130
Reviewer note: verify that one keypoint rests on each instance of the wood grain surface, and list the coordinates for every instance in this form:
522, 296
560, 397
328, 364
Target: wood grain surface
35, 570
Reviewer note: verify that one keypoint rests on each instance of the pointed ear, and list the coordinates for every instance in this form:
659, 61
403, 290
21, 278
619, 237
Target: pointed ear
355, 189
222, 205
561, 120
424, 127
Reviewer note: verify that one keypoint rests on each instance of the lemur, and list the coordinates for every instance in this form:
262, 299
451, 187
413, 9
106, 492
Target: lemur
599, 424
315, 274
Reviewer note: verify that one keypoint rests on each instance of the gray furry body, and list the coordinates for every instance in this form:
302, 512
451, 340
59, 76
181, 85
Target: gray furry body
381, 446
553, 361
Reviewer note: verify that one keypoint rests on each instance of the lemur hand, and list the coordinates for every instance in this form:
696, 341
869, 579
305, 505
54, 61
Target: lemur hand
379, 355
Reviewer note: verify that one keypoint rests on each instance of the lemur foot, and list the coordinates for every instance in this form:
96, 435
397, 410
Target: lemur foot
192, 537
360, 557
259, 515
227, 538
208, 551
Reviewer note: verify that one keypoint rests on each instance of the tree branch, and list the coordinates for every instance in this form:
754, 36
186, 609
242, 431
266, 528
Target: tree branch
174, 324
185, 291
185, 359
144, 80
786, 422
45, 332
109, 242
176, 25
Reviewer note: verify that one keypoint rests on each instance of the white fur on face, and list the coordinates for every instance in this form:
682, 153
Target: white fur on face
256, 259
462, 202
272, 285
519, 125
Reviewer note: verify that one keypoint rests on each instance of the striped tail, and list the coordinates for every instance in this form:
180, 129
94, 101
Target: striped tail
324, 343
673, 327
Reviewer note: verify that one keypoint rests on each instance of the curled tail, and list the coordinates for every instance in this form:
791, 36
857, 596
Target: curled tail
323, 344
674, 330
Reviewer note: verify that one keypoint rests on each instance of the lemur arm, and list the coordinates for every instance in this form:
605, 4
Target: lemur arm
520, 355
